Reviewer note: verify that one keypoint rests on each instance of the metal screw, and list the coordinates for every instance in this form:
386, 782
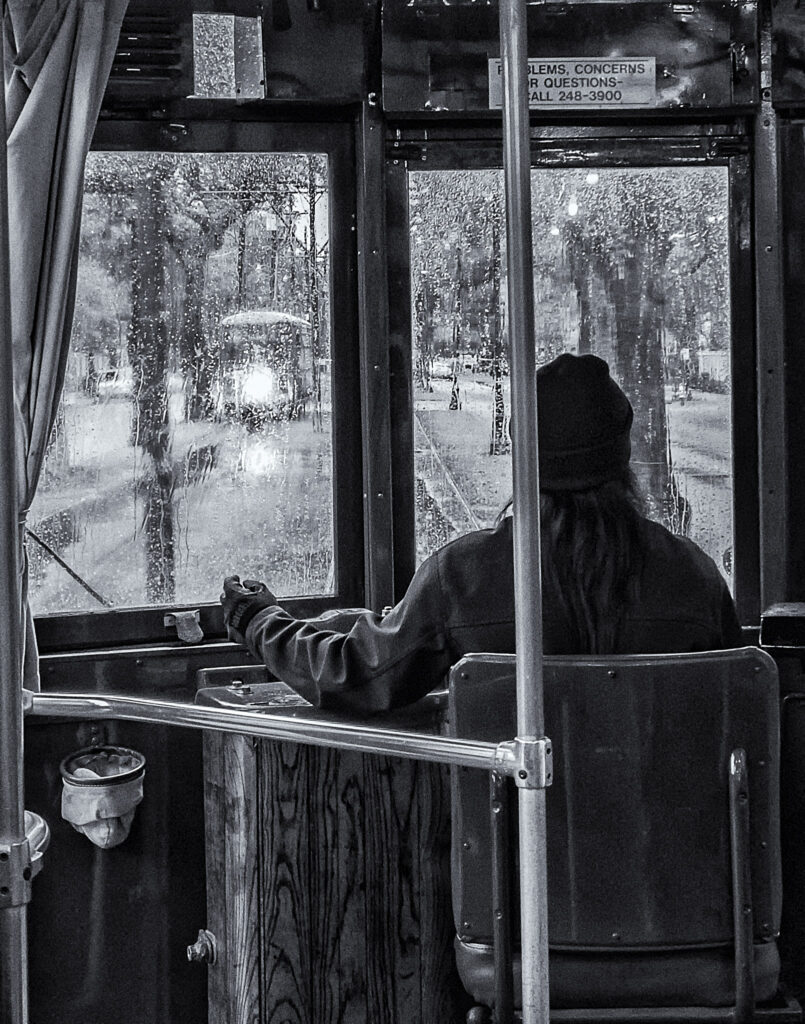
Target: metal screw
522, 774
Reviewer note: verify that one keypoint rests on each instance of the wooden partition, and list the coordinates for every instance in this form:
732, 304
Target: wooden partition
328, 885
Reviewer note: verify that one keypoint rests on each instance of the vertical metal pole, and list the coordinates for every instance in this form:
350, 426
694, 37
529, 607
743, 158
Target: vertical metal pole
741, 888
770, 320
525, 467
375, 407
502, 897
13, 932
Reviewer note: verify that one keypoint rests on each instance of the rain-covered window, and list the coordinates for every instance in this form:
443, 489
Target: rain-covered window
194, 434
228, 57
630, 264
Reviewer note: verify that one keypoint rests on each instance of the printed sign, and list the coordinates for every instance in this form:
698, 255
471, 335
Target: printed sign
582, 82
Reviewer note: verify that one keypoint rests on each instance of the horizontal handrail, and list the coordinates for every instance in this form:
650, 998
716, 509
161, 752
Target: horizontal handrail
329, 732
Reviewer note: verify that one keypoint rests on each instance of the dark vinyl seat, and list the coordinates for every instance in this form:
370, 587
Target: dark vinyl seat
638, 822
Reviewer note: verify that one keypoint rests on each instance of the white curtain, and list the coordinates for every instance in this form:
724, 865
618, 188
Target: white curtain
58, 54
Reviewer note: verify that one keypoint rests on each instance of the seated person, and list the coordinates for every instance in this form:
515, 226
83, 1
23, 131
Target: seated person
614, 582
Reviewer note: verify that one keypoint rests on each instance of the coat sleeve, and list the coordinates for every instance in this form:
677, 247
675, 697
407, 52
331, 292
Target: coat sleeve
368, 663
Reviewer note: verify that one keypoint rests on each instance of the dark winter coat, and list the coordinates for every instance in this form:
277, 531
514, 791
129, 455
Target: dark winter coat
462, 599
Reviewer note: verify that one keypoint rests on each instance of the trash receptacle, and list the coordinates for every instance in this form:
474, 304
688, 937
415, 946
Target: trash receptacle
101, 789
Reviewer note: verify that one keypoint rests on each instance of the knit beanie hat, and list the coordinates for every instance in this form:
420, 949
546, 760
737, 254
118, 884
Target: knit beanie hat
584, 421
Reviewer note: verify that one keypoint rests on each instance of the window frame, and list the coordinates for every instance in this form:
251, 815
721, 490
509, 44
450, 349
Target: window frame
580, 147
134, 625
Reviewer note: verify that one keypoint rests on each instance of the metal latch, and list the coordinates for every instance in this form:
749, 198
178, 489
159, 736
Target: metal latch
739, 56
187, 624
205, 949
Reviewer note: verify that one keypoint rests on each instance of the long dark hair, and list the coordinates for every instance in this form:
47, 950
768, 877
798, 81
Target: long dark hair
592, 558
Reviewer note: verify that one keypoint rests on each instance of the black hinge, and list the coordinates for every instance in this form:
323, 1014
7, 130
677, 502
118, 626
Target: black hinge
410, 152
730, 145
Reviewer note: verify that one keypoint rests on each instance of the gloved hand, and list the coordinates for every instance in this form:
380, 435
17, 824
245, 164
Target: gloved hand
241, 602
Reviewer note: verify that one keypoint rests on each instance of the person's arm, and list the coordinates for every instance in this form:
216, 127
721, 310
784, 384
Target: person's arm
376, 664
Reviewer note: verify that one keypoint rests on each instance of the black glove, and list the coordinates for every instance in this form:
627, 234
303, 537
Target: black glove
241, 602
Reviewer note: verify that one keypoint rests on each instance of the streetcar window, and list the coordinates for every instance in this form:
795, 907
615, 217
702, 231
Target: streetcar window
194, 434
630, 264
228, 57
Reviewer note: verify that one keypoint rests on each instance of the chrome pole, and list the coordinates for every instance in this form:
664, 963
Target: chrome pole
525, 472
322, 731
14, 854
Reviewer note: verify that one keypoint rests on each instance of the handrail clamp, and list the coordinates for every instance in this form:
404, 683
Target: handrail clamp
17, 868
529, 762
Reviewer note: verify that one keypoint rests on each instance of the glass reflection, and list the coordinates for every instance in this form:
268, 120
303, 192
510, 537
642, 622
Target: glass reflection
630, 264
194, 433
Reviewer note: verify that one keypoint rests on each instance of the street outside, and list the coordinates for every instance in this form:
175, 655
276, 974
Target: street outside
462, 487
260, 502
257, 503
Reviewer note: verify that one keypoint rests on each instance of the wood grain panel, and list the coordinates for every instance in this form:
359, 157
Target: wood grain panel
215, 852
325, 926
392, 869
242, 830
443, 998
331, 900
352, 890
284, 919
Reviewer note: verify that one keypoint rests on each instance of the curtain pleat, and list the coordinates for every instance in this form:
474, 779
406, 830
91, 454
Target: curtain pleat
58, 54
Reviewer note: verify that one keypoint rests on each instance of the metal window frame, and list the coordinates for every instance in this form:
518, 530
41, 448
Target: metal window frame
791, 463
479, 147
335, 140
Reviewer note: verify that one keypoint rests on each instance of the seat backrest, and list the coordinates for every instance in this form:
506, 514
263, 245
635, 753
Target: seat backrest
638, 814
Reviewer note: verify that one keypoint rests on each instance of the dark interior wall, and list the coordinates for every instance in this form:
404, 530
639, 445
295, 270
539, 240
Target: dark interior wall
108, 929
